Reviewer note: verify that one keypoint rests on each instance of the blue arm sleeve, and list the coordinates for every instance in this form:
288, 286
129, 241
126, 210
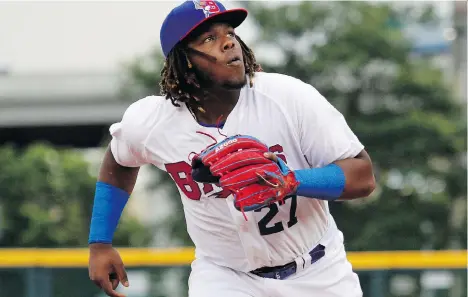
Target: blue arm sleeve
325, 183
109, 202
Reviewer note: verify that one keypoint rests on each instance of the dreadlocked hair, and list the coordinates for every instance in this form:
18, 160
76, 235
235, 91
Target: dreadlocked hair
179, 82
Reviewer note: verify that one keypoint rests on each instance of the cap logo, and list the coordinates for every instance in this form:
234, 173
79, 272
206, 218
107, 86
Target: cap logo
208, 7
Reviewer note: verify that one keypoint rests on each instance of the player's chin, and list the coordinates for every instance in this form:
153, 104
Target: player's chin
235, 82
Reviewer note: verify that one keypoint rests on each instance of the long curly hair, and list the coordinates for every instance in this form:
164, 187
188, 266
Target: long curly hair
179, 82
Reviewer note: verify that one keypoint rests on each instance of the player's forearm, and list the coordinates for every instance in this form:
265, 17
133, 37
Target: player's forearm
113, 188
359, 176
344, 179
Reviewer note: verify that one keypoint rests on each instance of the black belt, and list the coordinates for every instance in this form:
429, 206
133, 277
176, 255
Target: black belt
284, 271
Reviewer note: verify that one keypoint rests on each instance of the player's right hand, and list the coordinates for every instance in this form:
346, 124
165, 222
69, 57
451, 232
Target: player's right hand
106, 268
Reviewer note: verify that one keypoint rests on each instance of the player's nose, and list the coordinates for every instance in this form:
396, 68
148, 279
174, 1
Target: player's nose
228, 44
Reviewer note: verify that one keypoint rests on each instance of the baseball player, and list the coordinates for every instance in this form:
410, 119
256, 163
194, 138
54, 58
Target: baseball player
256, 133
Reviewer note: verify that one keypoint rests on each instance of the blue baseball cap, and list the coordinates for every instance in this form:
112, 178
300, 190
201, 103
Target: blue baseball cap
186, 17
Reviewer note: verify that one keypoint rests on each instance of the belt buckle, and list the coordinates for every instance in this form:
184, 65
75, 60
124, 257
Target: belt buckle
277, 275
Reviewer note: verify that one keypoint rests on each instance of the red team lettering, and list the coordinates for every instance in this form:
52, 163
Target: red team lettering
181, 171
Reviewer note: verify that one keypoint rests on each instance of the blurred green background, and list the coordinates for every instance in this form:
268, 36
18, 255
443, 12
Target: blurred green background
396, 70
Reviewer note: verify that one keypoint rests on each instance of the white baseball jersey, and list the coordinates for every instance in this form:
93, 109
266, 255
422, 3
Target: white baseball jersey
292, 118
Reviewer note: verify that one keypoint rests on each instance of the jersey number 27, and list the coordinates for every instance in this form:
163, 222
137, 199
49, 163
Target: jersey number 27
273, 210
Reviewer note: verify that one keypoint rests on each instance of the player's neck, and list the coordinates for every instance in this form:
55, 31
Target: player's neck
216, 104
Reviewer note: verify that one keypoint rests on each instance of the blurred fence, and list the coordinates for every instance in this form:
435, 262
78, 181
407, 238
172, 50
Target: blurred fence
63, 272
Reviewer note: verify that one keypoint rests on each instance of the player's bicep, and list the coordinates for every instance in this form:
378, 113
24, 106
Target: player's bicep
117, 175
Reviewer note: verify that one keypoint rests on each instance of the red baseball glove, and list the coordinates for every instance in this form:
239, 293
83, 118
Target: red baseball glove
238, 164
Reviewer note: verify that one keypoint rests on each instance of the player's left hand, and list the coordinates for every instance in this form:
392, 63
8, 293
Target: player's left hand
243, 165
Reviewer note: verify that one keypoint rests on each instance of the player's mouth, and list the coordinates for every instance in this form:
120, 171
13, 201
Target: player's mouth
235, 61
